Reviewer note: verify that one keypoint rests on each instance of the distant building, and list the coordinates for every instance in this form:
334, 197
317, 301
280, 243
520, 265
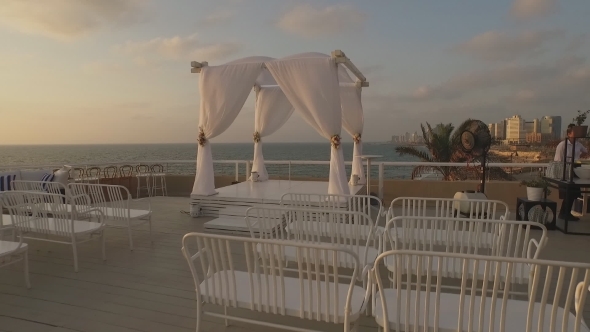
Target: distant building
551, 127
515, 129
533, 138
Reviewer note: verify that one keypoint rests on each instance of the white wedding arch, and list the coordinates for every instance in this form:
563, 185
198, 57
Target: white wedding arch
316, 85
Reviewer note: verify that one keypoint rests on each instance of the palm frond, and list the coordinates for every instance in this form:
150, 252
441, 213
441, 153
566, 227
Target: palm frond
413, 151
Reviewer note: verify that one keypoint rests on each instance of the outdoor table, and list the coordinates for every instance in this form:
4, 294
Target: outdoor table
564, 185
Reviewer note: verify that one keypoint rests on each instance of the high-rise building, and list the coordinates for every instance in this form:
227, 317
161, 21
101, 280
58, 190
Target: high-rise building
551, 127
515, 129
500, 130
492, 127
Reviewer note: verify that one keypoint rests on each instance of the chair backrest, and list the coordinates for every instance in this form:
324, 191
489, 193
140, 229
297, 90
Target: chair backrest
79, 173
110, 172
93, 172
217, 266
448, 207
143, 169
352, 230
39, 213
111, 200
483, 302
371, 205
157, 168
126, 171
505, 238
40, 186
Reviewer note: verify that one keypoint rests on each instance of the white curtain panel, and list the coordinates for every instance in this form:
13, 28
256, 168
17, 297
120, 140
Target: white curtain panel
273, 109
353, 122
311, 86
224, 90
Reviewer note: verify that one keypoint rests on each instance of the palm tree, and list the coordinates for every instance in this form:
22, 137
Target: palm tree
443, 145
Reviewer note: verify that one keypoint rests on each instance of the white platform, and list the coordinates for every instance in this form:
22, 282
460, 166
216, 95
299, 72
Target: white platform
231, 202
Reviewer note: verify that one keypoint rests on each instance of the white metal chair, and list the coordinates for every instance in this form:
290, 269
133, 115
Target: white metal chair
40, 186
448, 207
483, 303
44, 217
370, 205
12, 251
114, 202
312, 292
143, 174
158, 180
354, 231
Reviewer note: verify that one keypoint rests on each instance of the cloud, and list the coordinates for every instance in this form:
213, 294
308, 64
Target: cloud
70, 19
529, 9
507, 76
178, 47
217, 18
501, 46
312, 22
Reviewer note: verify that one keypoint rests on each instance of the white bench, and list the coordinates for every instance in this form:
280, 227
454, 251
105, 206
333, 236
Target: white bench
114, 202
248, 273
44, 217
501, 238
555, 300
354, 231
448, 207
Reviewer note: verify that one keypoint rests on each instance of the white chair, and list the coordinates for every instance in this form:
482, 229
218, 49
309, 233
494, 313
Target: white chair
483, 303
40, 186
447, 207
263, 285
12, 251
158, 174
144, 175
354, 231
114, 202
370, 205
44, 217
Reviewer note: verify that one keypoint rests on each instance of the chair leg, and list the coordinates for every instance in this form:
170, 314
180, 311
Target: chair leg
26, 268
227, 321
150, 224
199, 314
75, 255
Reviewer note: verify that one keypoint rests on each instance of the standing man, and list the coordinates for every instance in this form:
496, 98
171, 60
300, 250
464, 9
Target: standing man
580, 152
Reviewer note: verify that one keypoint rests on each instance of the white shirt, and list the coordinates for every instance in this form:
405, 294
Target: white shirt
559, 151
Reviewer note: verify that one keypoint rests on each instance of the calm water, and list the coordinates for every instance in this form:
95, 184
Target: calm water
101, 154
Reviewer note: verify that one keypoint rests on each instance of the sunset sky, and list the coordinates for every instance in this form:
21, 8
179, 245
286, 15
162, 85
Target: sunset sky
118, 71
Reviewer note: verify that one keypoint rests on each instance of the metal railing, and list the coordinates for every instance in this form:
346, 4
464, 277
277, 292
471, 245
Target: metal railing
287, 169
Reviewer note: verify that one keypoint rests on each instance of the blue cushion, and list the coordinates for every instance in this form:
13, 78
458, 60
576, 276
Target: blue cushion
47, 178
6, 182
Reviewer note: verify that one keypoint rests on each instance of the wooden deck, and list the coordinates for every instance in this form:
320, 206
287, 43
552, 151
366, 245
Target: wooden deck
149, 289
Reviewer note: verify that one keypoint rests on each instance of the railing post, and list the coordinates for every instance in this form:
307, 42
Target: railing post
247, 169
237, 173
289, 170
381, 176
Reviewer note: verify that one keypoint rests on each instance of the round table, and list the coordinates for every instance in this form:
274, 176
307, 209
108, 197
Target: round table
369, 157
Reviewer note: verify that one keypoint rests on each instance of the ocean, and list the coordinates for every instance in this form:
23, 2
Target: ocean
14, 155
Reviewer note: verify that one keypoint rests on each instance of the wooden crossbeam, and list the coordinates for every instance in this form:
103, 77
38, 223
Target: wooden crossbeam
340, 57
196, 66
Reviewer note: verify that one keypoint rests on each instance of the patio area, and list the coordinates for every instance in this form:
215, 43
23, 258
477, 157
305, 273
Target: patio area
151, 288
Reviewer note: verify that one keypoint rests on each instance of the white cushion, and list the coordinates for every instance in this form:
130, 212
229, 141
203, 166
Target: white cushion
34, 175
292, 290
516, 312
62, 175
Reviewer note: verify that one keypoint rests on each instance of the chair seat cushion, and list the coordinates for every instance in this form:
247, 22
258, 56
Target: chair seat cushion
516, 312
57, 227
290, 292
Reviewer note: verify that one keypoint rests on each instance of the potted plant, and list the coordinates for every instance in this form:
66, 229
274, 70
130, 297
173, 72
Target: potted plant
580, 130
535, 188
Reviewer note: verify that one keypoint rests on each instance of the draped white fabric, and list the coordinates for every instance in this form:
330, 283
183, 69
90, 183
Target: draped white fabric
353, 122
311, 86
272, 111
224, 90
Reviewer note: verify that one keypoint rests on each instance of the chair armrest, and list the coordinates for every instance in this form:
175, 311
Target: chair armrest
144, 199
537, 249
578, 297
99, 214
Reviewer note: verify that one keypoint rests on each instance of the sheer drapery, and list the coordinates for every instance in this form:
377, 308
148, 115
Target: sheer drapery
224, 90
311, 86
272, 111
353, 122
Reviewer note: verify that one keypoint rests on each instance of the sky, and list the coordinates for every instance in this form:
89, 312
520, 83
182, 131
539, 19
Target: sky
118, 71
